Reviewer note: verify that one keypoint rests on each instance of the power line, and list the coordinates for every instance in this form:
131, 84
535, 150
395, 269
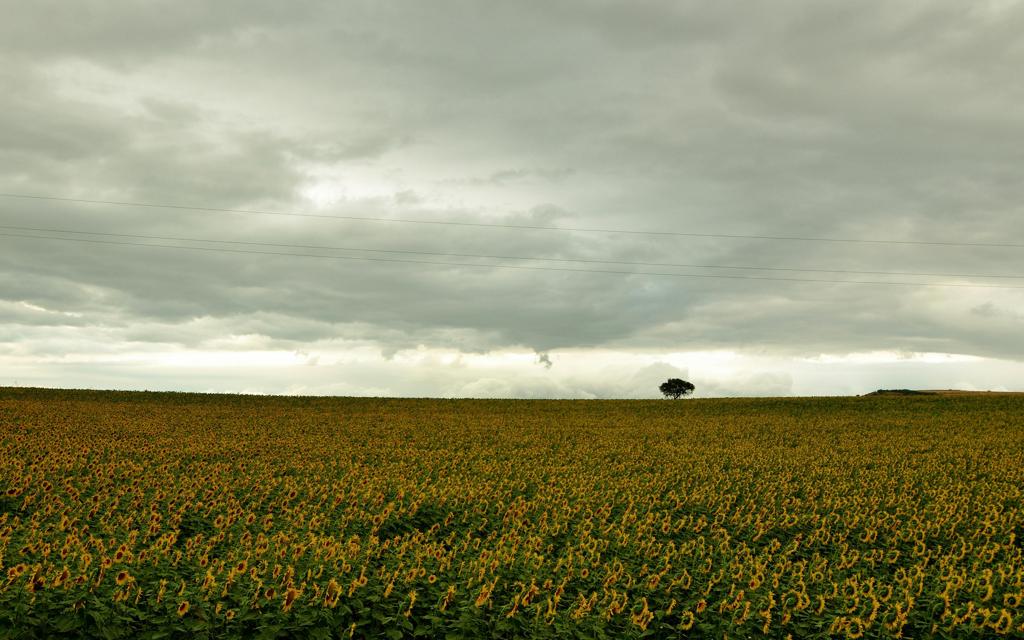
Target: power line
516, 226
496, 257
518, 267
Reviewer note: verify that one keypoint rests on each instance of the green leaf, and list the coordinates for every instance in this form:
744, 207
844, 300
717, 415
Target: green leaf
67, 623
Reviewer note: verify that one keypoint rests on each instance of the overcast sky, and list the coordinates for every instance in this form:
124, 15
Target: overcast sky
877, 120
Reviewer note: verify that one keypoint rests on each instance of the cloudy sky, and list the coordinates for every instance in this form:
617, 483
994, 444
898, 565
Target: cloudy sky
889, 121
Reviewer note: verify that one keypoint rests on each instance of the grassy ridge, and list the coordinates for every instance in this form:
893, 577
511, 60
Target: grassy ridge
182, 515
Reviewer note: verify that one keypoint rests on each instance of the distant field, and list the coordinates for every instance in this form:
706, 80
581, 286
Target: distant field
942, 392
960, 392
179, 515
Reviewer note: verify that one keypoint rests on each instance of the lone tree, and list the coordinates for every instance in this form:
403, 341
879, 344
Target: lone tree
674, 388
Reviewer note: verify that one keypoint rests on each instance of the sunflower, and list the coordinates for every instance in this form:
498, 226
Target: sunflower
36, 583
62, 577
183, 608
290, 596
412, 601
686, 623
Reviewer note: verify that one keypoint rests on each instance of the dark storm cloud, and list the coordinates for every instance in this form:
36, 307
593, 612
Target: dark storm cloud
886, 120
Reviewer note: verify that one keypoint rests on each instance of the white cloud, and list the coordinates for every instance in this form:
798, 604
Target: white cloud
327, 369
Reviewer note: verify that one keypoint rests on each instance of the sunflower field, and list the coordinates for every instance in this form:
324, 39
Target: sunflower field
151, 515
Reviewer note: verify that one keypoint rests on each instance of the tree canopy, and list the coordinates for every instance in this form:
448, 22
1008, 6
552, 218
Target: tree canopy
675, 388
